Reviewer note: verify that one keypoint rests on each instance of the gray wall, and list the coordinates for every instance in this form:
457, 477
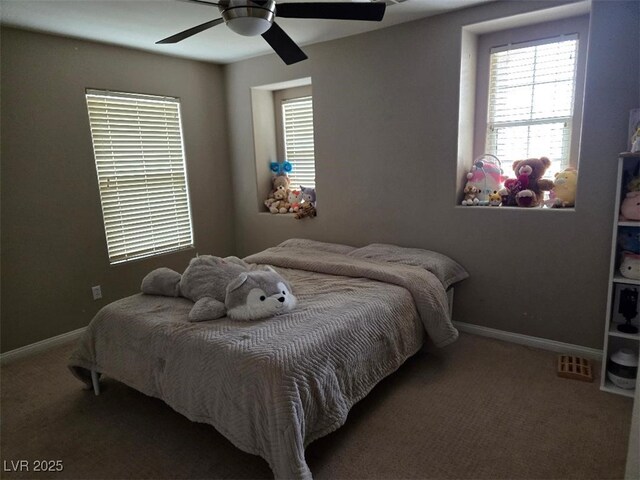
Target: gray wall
386, 116
53, 245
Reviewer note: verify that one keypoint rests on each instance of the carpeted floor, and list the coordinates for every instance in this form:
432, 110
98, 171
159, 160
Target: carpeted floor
478, 409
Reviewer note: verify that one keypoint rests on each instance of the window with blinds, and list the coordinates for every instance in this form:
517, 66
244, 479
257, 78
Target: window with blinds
139, 155
297, 129
531, 99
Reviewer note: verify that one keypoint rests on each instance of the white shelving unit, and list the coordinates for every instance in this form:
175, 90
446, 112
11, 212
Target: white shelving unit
613, 338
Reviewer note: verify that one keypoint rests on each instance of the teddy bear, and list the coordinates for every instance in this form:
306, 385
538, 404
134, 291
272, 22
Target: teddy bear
277, 198
564, 188
470, 195
526, 190
630, 207
279, 206
223, 286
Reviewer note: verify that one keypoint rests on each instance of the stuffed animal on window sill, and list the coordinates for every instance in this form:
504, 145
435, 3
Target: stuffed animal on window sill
279, 206
308, 195
295, 200
306, 210
495, 199
526, 190
223, 286
486, 176
279, 193
565, 185
470, 195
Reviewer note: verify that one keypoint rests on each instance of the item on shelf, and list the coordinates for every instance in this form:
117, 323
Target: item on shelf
622, 368
634, 184
527, 189
565, 185
628, 308
634, 129
630, 265
630, 208
486, 176
629, 239
635, 145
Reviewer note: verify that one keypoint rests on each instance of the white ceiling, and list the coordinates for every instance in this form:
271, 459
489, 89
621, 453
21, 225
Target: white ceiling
140, 23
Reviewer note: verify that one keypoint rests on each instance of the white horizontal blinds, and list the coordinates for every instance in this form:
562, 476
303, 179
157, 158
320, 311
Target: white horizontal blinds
297, 120
137, 143
531, 94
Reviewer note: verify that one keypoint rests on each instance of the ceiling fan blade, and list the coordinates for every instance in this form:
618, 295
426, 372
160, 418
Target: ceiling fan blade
201, 1
191, 31
337, 11
283, 45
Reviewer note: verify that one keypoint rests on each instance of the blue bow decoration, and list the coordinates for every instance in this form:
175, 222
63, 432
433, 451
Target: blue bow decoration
281, 168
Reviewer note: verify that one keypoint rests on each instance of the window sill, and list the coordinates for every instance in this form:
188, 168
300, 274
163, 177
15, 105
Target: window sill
515, 209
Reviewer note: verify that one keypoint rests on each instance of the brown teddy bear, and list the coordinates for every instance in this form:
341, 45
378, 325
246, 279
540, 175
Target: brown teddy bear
277, 200
526, 189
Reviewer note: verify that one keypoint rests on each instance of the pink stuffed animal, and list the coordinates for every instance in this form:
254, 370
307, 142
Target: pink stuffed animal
630, 208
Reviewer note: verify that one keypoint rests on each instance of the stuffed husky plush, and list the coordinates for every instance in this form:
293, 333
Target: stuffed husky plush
220, 286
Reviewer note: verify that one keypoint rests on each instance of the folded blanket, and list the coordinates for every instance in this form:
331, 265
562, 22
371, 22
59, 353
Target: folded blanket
426, 289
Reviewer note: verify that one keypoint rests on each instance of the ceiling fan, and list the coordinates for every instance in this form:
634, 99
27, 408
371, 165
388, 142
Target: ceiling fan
256, 17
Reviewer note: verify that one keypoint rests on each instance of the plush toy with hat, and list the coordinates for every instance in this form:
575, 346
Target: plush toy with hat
223, 286
486, 176
526, 190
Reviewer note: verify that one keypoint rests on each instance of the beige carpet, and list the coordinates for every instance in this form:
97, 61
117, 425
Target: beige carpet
478, 409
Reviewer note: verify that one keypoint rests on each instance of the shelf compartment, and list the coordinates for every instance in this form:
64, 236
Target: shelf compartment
614, 332
608, 386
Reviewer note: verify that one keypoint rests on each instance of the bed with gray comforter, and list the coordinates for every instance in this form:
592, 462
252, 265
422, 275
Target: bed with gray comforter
273, 386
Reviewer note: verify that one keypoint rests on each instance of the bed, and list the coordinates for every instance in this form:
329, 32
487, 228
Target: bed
273, 386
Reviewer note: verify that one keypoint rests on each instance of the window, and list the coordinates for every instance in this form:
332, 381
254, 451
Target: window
531, 101
139, 155
294, 119
297, 126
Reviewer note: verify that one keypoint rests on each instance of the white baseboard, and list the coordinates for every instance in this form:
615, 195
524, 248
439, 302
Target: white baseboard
529, 341
41, 346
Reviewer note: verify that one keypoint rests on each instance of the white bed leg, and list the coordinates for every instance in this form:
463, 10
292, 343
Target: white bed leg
95, 381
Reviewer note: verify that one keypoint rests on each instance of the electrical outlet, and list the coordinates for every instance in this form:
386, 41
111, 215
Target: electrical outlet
97, 292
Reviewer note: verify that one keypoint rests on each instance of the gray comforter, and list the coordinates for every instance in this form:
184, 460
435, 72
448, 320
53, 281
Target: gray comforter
275, 385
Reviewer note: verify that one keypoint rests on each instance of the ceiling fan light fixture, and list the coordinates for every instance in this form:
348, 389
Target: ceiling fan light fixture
249, 19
